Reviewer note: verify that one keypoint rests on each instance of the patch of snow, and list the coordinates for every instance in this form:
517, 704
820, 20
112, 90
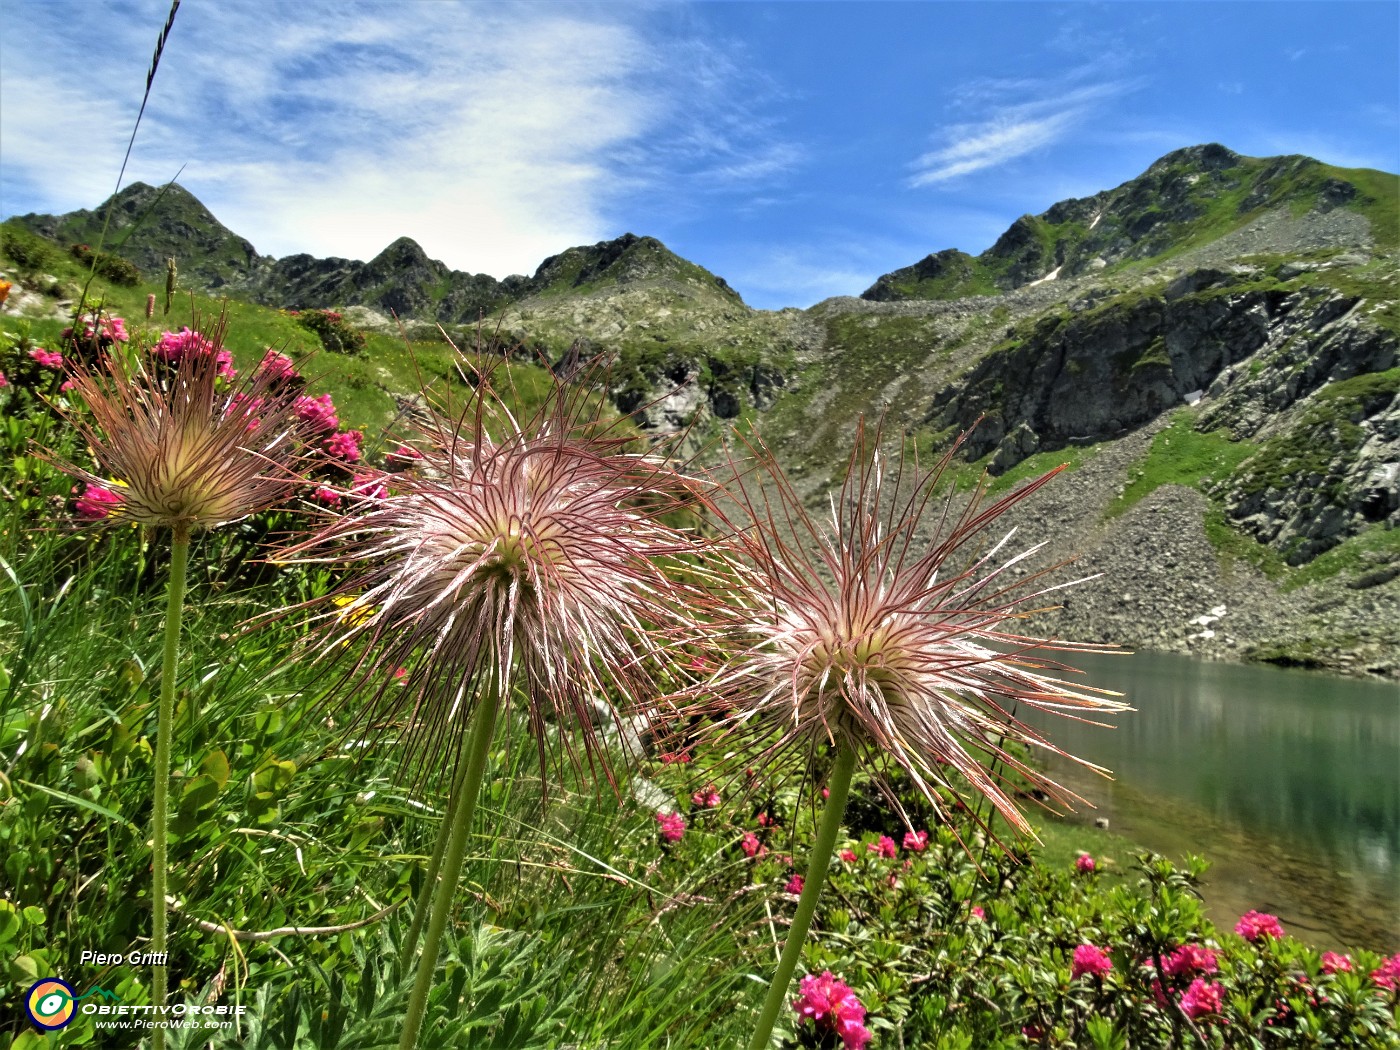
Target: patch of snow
1096, 220
1193, 396
1048, 277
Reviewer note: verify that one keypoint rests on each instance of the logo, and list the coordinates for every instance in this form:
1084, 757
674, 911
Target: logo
50, 1004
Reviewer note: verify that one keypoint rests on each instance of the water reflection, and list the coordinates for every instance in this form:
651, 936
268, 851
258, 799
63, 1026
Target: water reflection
1288, 781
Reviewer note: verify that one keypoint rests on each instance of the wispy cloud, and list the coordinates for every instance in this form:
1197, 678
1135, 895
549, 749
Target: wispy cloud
1011, 124
492, 134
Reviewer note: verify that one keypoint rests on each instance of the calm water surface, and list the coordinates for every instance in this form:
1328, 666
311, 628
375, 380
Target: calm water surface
1287, 781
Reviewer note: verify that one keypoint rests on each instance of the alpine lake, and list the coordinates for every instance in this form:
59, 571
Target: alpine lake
1288, 782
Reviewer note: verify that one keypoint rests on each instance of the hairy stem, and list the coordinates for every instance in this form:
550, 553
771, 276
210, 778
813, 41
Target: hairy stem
425, 895
818, 860
462, 806
165, 728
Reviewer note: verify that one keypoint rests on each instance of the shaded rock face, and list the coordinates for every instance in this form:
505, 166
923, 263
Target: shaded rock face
1078, 378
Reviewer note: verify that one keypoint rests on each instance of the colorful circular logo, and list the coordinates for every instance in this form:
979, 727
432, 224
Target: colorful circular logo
50, 1003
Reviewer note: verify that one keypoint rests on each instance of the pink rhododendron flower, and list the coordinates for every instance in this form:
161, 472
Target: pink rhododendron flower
368, 486
1201, 999
96, 502
978, 913
3, 381
706, 799
318, 411
402, 458
794, 884
1085, 864
1387, 974
66, 385
751, 846
917, 841
174, 347
670, 758
832, 1007
1254, 925
278, 366
1332, 962
848, 855
764, 820
1189, 960
329, 497
672, 826
885, 847
1090, 960
47, 358
246, 405
344, 444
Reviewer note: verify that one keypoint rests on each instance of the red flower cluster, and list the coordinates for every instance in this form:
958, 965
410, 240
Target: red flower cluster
1085, 864
1332, 962
95, 502
279, 367
1091, 961
832, 1007
672, 826
1255, 925
706, 799
751, 846
885, 847
1387, 974
1201, 999
344, 444
916, 841
174, 347
318, 411
1190, 960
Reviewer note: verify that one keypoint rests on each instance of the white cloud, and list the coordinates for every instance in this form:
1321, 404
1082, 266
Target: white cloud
1011, 125
492, 134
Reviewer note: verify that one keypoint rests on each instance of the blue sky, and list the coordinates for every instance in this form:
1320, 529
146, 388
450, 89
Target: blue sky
798, 150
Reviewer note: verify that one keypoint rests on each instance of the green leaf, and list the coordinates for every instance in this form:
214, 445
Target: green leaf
9, 922
82, 803
34, 915
215, 765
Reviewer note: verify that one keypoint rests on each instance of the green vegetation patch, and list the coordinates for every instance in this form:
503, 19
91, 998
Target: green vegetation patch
1182, 455
1370, 553
1327, 431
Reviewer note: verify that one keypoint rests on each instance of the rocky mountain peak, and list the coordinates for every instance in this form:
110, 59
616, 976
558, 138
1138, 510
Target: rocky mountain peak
1194, 195
1208, 157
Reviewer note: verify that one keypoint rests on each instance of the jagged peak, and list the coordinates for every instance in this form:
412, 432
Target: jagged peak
1209, 156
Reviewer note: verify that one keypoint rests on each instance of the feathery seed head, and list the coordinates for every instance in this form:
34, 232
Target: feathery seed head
516, 553
878, 630
190, 455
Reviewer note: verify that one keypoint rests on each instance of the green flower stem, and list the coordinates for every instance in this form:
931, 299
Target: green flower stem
165, 728
425, 895
819, 859
462, 807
